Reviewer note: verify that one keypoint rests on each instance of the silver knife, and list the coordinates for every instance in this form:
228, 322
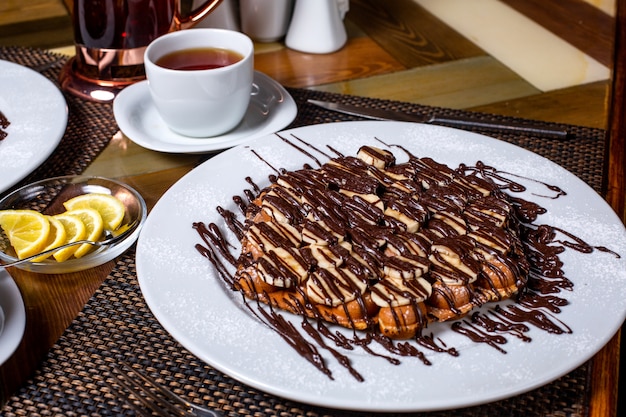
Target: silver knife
450, 121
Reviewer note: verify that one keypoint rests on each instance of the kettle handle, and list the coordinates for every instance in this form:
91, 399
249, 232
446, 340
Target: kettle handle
196, 14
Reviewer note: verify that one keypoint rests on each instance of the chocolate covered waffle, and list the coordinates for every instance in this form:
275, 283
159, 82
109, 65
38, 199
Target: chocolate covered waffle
365, 242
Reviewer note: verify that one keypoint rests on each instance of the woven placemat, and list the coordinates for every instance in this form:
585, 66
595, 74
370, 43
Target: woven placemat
116, 323
90, 125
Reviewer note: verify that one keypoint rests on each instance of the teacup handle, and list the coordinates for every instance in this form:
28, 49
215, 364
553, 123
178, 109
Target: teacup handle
198, 13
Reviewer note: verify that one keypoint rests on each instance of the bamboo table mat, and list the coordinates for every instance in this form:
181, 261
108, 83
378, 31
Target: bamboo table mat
116, 322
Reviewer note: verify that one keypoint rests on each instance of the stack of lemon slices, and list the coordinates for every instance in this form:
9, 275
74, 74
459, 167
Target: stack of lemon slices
86, 217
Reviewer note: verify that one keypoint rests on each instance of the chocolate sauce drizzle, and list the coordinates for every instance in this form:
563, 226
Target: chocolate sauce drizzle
535, 305
4, 123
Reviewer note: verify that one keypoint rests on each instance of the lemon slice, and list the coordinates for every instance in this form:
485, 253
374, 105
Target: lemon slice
27, 231
94, 226
110, 208
75, 230
56, 237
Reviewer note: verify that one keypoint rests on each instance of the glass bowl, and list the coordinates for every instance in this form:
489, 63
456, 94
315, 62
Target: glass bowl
47, 196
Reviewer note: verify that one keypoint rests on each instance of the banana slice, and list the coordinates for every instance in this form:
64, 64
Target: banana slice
282, 268
376, 157
453, 219
408, 244
475, 185
431, 173
265, 236
392, 292
412, 224
325, 256
405, 267
315, 233
456, 262
490, 210
496, 239
281, 206
334, 286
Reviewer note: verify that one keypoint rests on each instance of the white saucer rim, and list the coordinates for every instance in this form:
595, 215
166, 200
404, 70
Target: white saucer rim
138, 93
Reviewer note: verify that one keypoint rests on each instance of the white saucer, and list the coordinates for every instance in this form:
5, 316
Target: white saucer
271, 109
14, 316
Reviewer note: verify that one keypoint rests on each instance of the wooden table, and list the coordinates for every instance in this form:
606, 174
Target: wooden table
420, 51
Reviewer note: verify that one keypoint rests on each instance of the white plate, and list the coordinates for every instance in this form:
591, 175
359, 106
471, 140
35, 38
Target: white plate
271, 109
38, 114
189, 299
14, 316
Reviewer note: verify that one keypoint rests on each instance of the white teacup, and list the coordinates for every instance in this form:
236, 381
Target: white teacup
200, 102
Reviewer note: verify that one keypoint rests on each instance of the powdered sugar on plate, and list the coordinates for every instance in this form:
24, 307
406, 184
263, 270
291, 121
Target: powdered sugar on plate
38, 115
193, 304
